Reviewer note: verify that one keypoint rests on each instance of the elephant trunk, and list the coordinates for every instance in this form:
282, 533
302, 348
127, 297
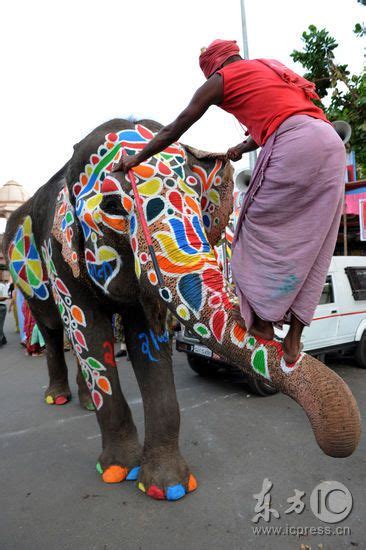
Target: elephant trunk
325, 397
329, 405
199, 296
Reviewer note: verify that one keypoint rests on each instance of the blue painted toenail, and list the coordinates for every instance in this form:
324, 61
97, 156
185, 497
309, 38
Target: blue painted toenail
175, 492
133, 474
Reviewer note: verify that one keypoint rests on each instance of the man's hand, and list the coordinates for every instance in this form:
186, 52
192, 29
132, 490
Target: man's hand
125, 163
235, 153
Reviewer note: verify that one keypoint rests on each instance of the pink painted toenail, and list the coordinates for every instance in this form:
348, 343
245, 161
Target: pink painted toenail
61, 400
155, 492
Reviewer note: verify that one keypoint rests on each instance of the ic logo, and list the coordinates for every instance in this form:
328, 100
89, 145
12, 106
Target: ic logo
331, 501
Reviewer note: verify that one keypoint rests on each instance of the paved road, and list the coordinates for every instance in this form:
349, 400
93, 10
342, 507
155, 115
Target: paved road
52, 498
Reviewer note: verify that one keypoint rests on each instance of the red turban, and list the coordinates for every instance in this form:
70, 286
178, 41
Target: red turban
216, 54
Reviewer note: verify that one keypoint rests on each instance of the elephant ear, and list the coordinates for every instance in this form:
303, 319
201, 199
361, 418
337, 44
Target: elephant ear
215, 175
65, 230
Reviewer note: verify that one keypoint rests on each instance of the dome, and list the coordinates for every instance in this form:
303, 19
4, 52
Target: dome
12, 195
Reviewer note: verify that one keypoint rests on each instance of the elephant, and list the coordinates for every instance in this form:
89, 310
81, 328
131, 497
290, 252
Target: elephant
78, 252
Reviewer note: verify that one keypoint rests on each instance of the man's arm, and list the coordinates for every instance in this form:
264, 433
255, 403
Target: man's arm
210, 93
235, 153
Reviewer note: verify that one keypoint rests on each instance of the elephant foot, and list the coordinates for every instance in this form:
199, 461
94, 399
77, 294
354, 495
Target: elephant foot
57, 394
120, 461
86, 401
167, 479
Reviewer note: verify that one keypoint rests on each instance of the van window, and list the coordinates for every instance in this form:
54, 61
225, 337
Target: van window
327, 296
357, 279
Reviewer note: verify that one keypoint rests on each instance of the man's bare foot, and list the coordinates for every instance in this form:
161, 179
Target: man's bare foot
262, 329
237, 317
291, 350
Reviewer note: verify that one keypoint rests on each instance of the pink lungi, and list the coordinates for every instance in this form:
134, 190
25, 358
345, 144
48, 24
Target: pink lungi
287, 228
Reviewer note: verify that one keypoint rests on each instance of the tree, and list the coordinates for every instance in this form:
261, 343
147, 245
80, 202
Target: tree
346, 92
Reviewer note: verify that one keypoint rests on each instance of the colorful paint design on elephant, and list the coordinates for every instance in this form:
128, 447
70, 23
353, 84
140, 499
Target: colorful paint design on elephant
74, 322
25, 264
211, 200
64, 229
172, 205
156, 340
95, 183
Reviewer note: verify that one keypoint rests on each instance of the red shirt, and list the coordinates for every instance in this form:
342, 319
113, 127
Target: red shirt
261, 100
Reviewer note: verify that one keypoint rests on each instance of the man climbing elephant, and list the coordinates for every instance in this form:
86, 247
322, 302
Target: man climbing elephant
287, 229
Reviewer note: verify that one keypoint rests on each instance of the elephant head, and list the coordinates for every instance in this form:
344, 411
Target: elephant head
187, 199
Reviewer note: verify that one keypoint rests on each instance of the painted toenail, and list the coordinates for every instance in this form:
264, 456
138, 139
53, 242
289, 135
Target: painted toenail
99, 468
156, 493
141, 486
114, 474
192, 483
175, 492
133, 473
61, 400
49, 400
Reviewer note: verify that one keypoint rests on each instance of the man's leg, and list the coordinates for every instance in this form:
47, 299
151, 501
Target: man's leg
261, 328
292, 342
2, 321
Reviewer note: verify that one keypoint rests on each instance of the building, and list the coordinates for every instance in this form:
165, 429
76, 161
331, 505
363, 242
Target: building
12, 195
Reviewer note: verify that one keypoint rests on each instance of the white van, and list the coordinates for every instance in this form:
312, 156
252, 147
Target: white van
339, 323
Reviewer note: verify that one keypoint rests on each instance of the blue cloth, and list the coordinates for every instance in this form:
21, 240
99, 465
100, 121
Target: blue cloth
20, 301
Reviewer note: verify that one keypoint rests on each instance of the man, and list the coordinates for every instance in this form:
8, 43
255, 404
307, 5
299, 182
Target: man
3, 298
289, 222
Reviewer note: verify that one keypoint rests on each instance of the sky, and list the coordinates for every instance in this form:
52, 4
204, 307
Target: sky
68, 66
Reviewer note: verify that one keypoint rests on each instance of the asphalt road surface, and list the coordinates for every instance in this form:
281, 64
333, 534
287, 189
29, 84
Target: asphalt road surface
51, 496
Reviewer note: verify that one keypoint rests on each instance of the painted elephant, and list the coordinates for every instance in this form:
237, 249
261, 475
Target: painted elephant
78, 252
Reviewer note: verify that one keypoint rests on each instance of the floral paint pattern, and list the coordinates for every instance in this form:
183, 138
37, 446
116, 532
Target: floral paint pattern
74, 321
174, 202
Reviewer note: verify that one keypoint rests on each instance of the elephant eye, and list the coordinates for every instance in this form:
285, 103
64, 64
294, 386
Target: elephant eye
111, 204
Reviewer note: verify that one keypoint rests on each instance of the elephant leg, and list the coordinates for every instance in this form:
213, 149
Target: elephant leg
121, 451
164, 473
89, 330
58, 391
85, 399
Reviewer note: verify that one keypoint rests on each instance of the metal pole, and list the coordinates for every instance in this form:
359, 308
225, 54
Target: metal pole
244, 30
345, 232
252, 154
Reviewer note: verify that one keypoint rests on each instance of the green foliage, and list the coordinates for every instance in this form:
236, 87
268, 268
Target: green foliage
347, 92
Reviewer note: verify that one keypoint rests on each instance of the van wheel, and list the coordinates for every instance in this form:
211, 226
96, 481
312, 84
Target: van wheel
258, 387
201, 366
360, 354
